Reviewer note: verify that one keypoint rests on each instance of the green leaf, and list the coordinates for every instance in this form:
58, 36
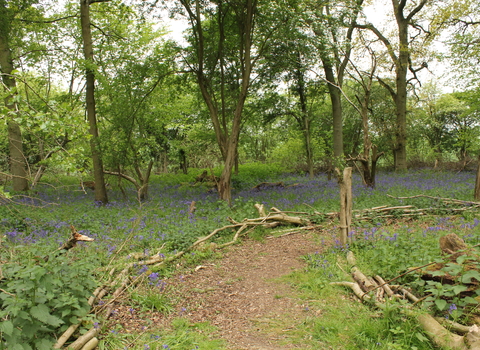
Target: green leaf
470, 300
461, 259
421, 337
438, 273
467, 277
441, 304
459, 288
6, 327
21, 347
43, 344
41, 313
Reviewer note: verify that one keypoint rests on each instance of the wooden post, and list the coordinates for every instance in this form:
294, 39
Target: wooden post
345, 182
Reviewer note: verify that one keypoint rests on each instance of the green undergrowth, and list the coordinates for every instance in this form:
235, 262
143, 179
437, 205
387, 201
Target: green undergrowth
33, 227
335, 319
181, 335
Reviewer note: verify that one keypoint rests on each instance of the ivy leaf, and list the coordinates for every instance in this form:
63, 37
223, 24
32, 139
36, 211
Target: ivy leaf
441, 304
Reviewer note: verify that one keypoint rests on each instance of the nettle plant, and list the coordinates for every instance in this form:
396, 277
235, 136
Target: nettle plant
459, 291
41, 298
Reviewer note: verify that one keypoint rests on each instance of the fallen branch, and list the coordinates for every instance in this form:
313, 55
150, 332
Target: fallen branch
74, 238
268, 184
446, 200
401, 275
441, 335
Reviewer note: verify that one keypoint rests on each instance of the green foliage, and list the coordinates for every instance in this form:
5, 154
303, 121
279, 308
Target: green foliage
182, 336
41, 298
152, 300
458, 298
334, 321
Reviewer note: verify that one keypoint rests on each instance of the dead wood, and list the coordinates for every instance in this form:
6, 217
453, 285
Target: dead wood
264, 185
84, 339
363, 281
441, 335
453, 326
445, 200
451, 244
384, 286
74, 238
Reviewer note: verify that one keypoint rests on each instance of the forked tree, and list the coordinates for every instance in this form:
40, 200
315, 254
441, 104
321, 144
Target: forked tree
221, 58
401, 58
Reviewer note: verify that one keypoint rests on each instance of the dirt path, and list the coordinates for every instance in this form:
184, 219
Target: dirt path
241, 294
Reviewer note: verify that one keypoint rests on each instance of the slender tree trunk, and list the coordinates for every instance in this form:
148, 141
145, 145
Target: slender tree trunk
476, 194
337, 119
308, 146
304, 120
401, 103
100, 190
401, 69
15, 142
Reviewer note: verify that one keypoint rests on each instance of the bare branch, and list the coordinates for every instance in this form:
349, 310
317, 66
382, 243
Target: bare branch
47, 21
417, 9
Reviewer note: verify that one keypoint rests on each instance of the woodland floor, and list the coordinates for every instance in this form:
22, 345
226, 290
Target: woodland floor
240, 293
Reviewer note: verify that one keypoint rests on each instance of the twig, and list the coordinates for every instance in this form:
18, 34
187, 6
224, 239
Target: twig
4, 291
438, 198
403, 274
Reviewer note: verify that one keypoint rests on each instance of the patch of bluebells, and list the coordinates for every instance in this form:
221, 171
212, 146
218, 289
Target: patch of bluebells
168, 219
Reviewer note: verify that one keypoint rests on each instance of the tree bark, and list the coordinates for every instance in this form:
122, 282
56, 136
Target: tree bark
304, 119
345, 215
476, 193
17, 159
401, 68
100, 189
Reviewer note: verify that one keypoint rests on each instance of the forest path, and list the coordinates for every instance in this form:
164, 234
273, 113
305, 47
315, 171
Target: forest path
242, 293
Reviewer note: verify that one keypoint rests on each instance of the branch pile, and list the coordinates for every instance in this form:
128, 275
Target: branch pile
444, 333
443, 206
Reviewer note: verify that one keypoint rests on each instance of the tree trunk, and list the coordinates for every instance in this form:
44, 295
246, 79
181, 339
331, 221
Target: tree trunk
337, 120
227, 131
476, 194
15, 142
100, 190
304, 120
401, 69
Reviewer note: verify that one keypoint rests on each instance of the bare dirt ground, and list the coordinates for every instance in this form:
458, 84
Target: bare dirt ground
241, 293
